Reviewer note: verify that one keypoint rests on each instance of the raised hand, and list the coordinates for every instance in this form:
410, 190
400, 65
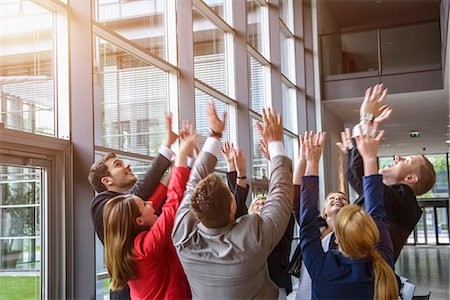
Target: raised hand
217, 125
373, 103
272, 128
186, 148
264, 148
171, 136
346, 140
228, 151
300, 167
313, 150
367, 144
240, 162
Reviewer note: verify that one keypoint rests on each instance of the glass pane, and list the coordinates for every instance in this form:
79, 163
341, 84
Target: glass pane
421, 230
131, 100
210, 65
256, 35
26, 67
218, 6
440, 189
140, 21
431, 233
442, 226
407, 47
20, 232
289, 107
290, 146
102, 289
287, 13
260, 165
201, 120
349, 53
384, 161
287, 56
259, 84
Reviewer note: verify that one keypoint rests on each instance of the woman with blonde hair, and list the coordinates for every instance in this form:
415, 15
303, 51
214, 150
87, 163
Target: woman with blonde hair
138, 245
361, 268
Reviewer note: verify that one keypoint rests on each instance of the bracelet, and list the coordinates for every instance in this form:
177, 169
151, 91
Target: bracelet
241, 177
212, 133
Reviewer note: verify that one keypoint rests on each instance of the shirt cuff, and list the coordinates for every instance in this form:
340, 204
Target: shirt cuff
166, 152
190, 162
276, 148
212, 145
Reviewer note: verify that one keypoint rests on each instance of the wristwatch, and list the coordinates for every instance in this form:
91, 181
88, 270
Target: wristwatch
367, 117
241, 177
212, 133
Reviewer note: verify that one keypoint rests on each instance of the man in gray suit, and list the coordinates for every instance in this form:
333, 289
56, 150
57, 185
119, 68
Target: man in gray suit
226, 258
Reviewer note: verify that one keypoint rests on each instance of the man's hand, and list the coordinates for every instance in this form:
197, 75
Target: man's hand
171, 136
373, 103
272, 129
313, 150
186, 148
346, 140
263, 147
240, 162
216, 124
367, 144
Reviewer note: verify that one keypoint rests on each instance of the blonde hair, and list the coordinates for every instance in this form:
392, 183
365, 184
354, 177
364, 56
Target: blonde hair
353, 221
120, 229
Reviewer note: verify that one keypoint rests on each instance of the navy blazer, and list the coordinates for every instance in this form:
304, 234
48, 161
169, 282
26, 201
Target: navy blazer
333, 275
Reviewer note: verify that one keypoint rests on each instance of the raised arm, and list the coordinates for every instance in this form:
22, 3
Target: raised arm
241, 189
145, 187
312, 251
277, 210
228, 153
153, 242
367, 144
185, 219
299, 172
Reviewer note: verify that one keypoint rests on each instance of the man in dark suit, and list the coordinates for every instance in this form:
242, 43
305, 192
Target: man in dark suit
110, 177
404, 179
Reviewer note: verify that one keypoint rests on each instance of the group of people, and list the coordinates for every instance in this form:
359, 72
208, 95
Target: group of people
194, 237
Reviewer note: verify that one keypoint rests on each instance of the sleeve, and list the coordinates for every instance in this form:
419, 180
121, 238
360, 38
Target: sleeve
275, 216
296, 203
231, 180
154, 241
374, 204
158, 196
354, 168
145, 187
185, 219
240, 194
313, 254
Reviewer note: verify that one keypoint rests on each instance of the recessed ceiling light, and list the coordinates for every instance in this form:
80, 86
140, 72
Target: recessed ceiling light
447, 141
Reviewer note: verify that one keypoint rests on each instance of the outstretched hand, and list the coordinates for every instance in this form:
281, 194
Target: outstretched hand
228, 151
313, 150
373, 103
264, 148
367, 143
346, 140
272, 127
215, 123
171, 136
240, 162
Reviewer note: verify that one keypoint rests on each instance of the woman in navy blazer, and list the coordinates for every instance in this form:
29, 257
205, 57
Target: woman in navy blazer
361, 268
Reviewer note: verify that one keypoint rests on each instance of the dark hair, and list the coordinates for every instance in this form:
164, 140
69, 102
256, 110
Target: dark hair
211, 202
99, 170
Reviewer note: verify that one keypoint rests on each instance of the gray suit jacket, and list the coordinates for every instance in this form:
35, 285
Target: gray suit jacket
231, 262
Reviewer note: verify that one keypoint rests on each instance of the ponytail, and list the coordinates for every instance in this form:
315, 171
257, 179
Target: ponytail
385, 281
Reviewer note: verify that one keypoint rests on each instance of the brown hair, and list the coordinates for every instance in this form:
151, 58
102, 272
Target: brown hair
357, 234
426, 177
120, 229
99, 170
211, 202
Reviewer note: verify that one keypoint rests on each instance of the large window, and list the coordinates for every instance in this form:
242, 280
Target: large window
27, 81
139, 21
21, 247
131, 97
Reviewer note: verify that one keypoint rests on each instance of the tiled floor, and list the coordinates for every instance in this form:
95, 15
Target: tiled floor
427, 267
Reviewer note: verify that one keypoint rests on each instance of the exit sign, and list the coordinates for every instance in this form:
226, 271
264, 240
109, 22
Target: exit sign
414, 134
